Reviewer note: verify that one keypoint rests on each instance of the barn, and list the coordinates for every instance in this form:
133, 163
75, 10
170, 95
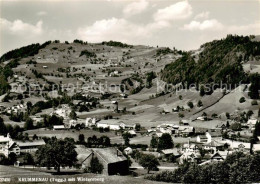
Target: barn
112, 159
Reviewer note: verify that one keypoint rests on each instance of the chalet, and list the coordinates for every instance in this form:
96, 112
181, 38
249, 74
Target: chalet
112, 159
30, 146
220, 156
213, 146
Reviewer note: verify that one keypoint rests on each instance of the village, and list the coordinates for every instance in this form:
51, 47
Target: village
109, 105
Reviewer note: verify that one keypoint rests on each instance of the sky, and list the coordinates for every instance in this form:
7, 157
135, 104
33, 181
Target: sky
183, 24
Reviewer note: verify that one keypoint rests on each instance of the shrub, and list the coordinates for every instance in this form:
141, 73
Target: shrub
242, 100
254, 102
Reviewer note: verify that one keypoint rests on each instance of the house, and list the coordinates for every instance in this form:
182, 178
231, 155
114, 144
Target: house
212, 134
64, 111
256, 147
201, 118
59, 127
191, 148
90, 122
202, 138
251, 123
173, 151
132, 133
112, 159
30, 146
220, 156
111, 124
185, 131
189, 157
7, 146
216, 157
213, 146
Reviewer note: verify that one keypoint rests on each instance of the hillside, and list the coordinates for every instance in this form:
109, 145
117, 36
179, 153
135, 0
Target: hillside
216, 61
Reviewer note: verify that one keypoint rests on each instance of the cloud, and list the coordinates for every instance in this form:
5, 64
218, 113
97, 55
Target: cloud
252, 28
177, 11
18, 27
202, 15
41, 13
112, 29
136, 7
211, 24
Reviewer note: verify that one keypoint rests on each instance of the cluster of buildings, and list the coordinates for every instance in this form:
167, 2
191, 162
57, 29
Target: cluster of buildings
183, 130
8, 145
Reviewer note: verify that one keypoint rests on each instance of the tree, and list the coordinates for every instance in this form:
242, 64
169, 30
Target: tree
202, 91
126, 137
165, 142
149, 162
12, 158
28, 125
81, 138
242, 100
95, 166
29, 106
235, 126
255, 86
249, 114
3, 130
190, 104
105, 141
154, 142
73, 115
57, 153
28, 159
137, 127
227, 115
200, 104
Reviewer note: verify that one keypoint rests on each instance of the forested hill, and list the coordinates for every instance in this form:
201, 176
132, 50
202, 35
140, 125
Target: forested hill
219, 60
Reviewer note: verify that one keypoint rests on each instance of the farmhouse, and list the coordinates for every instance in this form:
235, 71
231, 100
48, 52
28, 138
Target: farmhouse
112, 159
28, 147
111, 124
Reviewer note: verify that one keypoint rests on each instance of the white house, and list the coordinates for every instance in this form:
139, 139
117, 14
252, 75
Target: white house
90, 122
251, 123
7, 146
111, 124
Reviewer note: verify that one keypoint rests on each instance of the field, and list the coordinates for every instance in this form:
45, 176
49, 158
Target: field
15, 173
